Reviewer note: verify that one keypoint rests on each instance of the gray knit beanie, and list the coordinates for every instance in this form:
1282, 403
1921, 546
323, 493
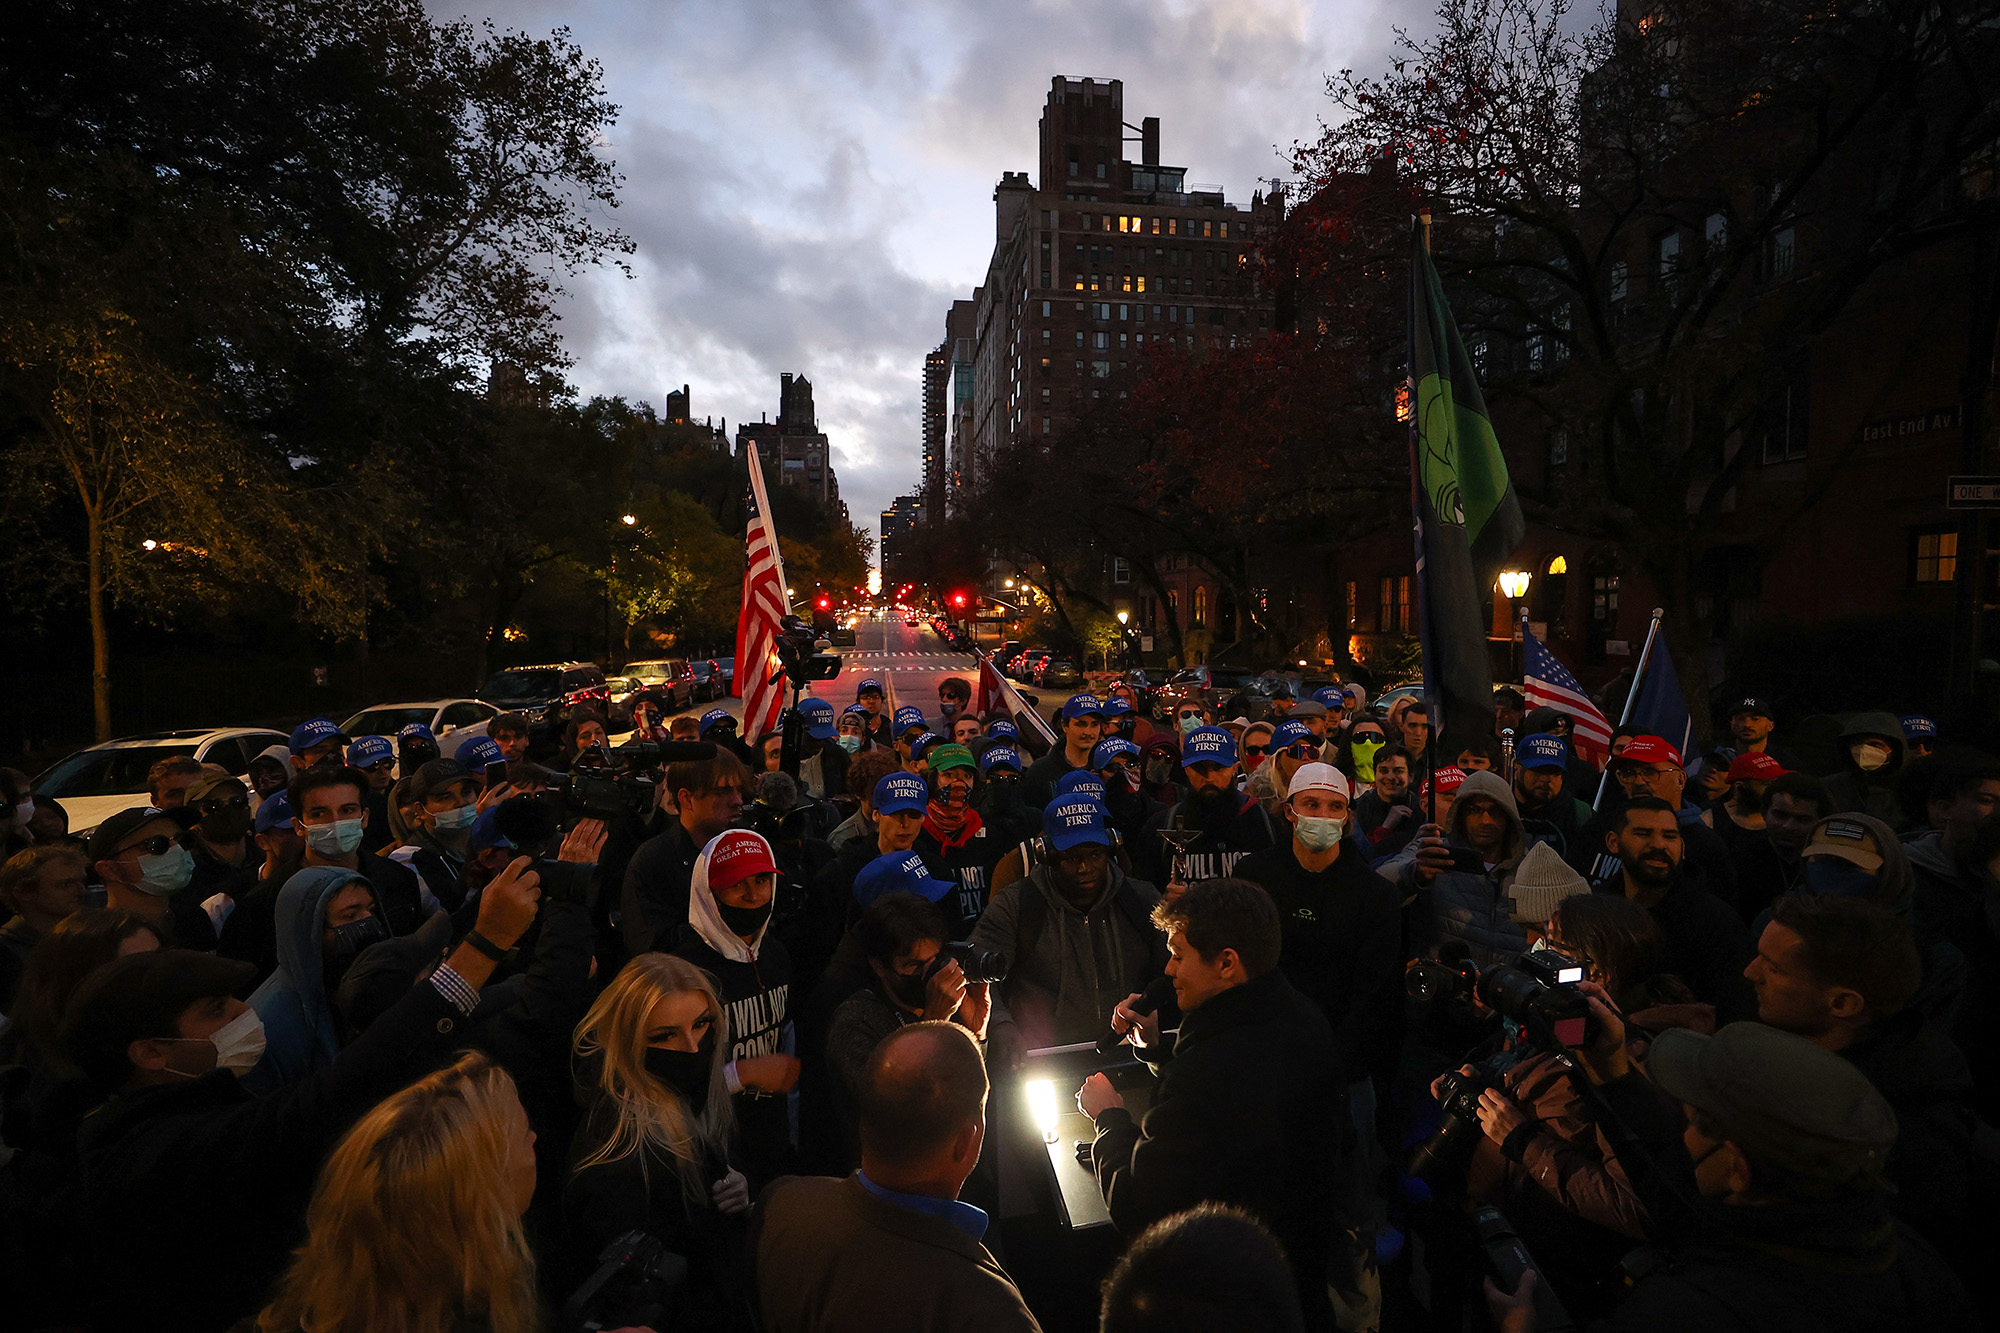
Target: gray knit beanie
1543, 880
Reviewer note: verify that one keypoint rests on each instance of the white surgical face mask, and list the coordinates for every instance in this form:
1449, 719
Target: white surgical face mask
239, 1043
1870, 755
1319, 834
457, 820
338, 837
166, 874
24, 812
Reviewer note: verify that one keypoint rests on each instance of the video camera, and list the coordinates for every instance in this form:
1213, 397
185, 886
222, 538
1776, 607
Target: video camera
609, 784
1537, 992
797, 646
634, 1286
532, 825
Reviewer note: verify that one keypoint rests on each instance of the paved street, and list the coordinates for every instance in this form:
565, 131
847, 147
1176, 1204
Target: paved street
910, 659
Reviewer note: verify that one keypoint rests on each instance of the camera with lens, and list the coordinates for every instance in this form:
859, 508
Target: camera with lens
1458, 1097
635, 1286
609, 784
1441, 982
1538, 992
797, 646
777, 825
977, 964
530, 825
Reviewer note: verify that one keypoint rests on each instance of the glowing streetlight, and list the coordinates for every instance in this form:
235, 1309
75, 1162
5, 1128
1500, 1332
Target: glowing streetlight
1514, 582
1124, 617
1006, 583
629, 520
150, 544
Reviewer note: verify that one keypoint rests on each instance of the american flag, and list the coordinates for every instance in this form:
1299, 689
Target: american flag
764, 603
1549, 685
999, 698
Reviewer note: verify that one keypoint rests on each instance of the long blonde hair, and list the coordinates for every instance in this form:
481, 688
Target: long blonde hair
414, 1225
647, 1112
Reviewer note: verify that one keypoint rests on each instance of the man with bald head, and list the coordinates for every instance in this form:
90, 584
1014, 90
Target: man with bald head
891, 1247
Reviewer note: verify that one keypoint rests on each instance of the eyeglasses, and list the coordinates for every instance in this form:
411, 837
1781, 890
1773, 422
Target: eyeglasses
1185, 716
154, 846
215, 803
1256, 749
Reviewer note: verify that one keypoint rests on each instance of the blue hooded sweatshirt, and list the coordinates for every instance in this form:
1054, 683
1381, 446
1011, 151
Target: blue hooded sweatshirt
301, 1033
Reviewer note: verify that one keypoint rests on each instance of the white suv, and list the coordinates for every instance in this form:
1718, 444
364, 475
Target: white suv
94, 784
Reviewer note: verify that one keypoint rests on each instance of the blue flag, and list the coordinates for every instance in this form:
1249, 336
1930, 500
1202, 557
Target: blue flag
1661, 710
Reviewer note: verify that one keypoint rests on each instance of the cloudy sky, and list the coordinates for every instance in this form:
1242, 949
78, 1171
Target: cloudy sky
810, 181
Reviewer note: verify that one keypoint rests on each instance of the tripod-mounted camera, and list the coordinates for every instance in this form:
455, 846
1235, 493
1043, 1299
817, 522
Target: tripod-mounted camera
800, 662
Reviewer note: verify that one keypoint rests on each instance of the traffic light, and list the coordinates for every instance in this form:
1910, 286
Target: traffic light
822, 614
958, 601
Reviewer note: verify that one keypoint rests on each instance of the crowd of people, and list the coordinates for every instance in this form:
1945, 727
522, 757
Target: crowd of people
544, 1034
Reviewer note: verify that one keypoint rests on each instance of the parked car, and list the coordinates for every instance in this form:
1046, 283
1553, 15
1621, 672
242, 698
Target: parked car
547, 694
1058, 671
668, 679
625, 691
727, 666
1145, 683
707, 679
460, 719
1006, 652
96, 783
1379, 706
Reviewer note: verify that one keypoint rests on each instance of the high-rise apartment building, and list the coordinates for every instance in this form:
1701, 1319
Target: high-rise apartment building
900, 521
794, 450
1094, 263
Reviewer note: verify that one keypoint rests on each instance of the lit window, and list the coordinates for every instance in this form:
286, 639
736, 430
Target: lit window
1127, 283
1107, 216
1142, 284
1201, 604
1223, 230
1934, 557
1173, 226
1156, 226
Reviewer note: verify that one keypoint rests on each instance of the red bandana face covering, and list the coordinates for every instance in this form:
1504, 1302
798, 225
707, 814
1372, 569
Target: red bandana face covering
950, 817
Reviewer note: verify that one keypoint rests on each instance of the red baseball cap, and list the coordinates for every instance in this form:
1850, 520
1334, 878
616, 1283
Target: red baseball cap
736, 855
1649, 750
1448, 780
1755, 767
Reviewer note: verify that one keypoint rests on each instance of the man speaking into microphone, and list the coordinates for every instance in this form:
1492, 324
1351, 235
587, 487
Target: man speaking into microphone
1250, 1108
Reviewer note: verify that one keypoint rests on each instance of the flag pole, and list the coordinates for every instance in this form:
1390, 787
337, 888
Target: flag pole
1631, 696
1432, 699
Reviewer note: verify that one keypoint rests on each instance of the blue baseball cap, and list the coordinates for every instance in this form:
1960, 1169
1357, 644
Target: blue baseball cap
308, 734
1078, 782
1116, 707
898, 872
367, 751
275, 810
900, 794
1213, 745
907, 717
1542, 750
486, 831
416, 731
478, 752
715, 717
997, 755
1082, 705
1287, 734
1114, 748
1331, 695
817, 714
1918, 727
1074, 819
1000, 729
924, 742
865, 686
861, 709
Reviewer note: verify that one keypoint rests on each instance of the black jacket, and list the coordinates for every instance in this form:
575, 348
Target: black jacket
250, 933
1342, 948
1249, 1110
1704, 943
653, 902
1838, 1264
1039, 779
756, 996
216, 1180
1225, 839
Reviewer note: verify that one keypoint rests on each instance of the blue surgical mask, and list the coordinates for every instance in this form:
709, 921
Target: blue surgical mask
456, 821
851, 744
166, 874
1835, 878
1190, 722
338, 837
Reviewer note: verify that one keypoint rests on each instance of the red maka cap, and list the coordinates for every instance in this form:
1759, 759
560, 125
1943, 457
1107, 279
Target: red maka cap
1447, 779
736, 855
1755, 768
1649, 750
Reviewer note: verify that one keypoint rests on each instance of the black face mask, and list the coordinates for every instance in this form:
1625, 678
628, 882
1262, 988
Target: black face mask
226, 825
743, 921
686, 1072
909, 991
348, 942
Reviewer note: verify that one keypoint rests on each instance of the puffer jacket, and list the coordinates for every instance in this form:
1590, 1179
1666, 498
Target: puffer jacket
1459, 904
1063, 981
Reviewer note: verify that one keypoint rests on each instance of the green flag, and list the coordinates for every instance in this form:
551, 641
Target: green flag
1468, 519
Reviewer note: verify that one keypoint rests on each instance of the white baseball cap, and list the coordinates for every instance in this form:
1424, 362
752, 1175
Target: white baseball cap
1318, 777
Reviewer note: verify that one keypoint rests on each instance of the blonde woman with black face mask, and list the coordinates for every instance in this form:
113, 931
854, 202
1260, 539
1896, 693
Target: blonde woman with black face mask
416, 1222
652, 1153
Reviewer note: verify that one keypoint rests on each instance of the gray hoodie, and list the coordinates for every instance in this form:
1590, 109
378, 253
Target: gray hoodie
1078, 964
1459, 904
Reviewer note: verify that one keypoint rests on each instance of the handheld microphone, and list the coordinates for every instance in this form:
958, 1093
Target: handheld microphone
1149, 1002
